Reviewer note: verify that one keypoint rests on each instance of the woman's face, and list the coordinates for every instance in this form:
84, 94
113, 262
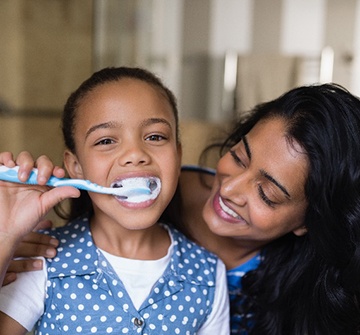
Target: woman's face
258, 194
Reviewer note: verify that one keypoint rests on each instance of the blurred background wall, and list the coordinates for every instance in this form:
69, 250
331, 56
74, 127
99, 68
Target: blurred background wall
46, 51
220, 57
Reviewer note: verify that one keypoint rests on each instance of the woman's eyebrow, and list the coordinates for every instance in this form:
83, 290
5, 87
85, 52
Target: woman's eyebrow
263, 172
275, 182
247, 147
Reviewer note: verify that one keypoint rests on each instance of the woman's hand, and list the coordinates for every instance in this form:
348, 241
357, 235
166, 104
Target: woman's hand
33, 245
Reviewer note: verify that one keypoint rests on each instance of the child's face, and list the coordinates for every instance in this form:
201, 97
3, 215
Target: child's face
126, 129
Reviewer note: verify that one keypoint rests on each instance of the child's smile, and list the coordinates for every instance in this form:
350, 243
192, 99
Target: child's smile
138, 189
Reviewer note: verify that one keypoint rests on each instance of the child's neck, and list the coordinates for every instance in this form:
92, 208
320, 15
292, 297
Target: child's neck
146, 244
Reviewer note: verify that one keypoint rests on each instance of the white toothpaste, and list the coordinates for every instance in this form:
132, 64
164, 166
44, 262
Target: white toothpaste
139, 189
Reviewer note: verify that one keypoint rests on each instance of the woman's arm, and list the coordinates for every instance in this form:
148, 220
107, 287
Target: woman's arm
33, 245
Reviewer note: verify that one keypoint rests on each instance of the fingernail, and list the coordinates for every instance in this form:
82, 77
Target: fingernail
23, 176
37, 264
41, 179
54, 242
50, 252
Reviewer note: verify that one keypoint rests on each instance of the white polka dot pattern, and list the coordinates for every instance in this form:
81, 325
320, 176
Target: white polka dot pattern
84, 295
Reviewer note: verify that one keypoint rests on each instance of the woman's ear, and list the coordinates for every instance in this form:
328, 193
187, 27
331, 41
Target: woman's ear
72, 165
301, 231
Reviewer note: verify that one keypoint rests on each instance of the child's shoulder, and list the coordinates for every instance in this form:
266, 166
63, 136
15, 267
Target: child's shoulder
76, 248
73, 234
182, 241
191, 255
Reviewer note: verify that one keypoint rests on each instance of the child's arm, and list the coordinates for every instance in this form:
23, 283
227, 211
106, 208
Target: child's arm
218, 321
23, 206
10, 326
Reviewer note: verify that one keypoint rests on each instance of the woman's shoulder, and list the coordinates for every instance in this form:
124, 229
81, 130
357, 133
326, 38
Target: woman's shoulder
198, 169
195, 187
195, 183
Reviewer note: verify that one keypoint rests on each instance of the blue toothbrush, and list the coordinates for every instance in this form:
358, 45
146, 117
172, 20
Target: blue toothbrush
11, 175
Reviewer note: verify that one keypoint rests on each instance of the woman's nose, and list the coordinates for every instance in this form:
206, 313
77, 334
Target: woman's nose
235, 189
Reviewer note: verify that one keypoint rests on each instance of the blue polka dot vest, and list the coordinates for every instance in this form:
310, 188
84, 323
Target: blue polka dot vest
84, 294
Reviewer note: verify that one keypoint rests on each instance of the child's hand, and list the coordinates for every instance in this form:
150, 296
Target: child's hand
23, 206
26, 163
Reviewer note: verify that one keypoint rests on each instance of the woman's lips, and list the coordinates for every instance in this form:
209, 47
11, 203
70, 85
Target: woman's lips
227, 209
225, 212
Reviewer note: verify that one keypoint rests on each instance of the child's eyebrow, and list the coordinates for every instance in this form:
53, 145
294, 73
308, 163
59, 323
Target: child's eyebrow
149, 122
112, 124
109, 124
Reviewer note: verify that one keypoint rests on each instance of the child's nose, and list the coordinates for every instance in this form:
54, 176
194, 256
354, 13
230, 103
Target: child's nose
133, 154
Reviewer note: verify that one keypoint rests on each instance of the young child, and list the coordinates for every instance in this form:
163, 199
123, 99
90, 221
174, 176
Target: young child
118, 271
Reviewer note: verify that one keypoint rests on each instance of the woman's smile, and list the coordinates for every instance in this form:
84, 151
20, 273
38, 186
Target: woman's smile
225, 212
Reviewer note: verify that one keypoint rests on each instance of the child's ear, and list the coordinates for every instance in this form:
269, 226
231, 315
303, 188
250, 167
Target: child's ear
72, 165
180, 151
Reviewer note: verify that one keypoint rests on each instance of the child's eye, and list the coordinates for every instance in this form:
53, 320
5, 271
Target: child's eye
265, 198
155, 138
105, 141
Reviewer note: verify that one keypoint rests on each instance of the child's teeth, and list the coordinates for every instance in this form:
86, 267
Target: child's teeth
152, 185
134, 188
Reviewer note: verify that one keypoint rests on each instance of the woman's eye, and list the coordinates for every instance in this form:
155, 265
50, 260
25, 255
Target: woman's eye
236, 158
104, 141
155, 138
265, 198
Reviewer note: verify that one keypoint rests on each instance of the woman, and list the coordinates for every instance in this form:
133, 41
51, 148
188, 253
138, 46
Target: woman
284, 214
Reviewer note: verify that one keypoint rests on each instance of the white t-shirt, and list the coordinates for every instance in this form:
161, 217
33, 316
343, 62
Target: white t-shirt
23, 300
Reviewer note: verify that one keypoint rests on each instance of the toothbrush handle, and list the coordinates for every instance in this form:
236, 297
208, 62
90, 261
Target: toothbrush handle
80, 184
11, 175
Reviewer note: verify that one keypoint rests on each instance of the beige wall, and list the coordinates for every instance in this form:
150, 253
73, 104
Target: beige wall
39, 135
46, 52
